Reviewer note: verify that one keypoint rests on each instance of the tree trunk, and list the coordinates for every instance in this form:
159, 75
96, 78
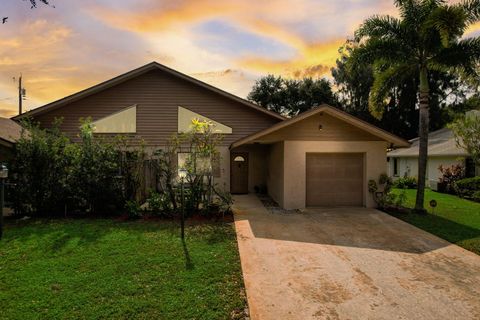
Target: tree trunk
423, 140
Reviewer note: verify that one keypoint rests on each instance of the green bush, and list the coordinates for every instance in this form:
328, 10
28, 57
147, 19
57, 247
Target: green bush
467, 187
53, 175
132, 207
41, 170
405, 183
159, 204
476, 196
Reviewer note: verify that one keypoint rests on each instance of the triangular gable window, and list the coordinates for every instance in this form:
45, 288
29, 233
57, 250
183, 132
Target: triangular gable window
186, 116
123, 121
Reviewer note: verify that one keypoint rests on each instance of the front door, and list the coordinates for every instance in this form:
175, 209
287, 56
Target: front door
239, 172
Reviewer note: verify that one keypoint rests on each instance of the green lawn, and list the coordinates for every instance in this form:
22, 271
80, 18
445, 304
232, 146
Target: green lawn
92, 269
454, 219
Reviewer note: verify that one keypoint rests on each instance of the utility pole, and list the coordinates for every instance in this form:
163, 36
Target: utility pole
21, 93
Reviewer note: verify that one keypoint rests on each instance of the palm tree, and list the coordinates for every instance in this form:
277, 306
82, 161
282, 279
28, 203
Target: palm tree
427, 37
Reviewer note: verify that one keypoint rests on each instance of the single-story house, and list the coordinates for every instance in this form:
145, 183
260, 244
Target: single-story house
442, 150
10, 132
323, 157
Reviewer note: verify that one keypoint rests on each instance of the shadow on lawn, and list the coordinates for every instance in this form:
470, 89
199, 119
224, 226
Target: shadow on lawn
188, 261
358, 228
444, 228
59, 236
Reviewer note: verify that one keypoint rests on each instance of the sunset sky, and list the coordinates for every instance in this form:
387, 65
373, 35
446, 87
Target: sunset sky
228, 44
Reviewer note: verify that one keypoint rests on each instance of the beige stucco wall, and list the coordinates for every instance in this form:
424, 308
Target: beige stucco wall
294, 185
275, 177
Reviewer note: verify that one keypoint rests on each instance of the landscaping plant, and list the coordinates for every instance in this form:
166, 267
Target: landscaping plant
405, 183
53, 175
450, 175
381, 192
468, 187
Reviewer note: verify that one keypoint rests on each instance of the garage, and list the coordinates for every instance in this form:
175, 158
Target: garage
334, 179
321, 158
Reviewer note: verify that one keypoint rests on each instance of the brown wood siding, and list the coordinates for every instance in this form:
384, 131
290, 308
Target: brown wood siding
157, 96
332, 129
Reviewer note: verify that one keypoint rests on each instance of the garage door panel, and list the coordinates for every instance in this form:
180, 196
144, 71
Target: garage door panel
334, 179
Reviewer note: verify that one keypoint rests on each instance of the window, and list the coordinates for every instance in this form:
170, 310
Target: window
204, 164
123, 121
395, 167
239, 159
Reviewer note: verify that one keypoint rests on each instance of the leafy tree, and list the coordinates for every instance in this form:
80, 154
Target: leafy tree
400, 116
290, 97
426, 38
467, 134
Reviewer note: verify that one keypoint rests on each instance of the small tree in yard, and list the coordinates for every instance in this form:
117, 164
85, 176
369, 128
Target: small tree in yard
197, 191
202, 143
467, 135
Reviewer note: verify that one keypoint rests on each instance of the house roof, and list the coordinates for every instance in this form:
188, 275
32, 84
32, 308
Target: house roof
440, 143
384, 135
135, 73
10, 131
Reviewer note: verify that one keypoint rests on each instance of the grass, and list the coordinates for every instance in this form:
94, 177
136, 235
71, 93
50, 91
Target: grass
454, 219
91, 269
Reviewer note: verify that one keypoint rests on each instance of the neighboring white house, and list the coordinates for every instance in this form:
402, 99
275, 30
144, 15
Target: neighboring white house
442, 150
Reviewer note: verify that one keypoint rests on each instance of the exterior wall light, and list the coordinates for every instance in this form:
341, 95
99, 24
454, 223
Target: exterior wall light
3, 172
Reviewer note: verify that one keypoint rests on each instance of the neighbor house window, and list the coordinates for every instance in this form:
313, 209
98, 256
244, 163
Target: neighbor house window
395, 167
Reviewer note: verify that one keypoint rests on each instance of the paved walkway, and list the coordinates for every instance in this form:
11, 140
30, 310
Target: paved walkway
350, 263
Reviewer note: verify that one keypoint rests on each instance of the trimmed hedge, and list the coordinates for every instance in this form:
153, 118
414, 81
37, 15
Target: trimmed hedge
469, 186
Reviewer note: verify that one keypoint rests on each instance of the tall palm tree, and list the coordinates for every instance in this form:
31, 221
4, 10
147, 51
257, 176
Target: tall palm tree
426, 37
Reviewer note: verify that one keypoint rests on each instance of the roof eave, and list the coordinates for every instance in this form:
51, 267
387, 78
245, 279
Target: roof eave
394, 140
132, 74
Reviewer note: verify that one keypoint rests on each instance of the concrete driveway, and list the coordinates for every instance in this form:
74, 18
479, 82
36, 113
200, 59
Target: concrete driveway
350, 263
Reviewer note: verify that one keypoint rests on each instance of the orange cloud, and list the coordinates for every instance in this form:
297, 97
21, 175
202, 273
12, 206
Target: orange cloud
40, 51
311, 61
154, 19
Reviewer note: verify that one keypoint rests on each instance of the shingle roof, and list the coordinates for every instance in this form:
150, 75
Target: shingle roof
134, 73
440, 143
10, 131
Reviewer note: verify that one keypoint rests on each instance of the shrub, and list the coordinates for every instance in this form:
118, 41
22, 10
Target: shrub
132, 207
405, 183
159, 203
467, 187
449, 176
41, 170
476, 196
53, 175
381, 192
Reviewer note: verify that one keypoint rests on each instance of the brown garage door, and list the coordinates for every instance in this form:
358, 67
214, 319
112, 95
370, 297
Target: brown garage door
334, 179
